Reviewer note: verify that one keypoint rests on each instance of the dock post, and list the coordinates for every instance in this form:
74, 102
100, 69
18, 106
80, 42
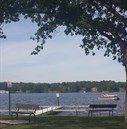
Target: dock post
57, 96
9, 85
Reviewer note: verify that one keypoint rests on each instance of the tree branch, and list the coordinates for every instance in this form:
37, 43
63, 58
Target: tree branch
122, 18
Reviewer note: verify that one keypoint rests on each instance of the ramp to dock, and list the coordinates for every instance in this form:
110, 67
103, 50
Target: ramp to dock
47, 109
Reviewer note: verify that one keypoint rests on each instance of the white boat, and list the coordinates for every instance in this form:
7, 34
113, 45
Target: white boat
108, 97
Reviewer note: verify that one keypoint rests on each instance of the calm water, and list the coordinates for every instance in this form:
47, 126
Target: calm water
65, 99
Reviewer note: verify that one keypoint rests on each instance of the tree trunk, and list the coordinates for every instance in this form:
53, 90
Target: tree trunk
126, 99
125, 64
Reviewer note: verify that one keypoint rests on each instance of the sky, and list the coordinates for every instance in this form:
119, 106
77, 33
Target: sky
61, 60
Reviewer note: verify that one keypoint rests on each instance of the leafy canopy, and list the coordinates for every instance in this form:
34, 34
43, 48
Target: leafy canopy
102, 23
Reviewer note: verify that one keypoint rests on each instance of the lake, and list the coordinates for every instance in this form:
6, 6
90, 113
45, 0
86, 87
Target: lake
65, 99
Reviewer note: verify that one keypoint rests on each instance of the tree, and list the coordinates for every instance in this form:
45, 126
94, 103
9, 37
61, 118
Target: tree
103, 23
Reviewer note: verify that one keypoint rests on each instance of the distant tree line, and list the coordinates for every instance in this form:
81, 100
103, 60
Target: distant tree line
79, 86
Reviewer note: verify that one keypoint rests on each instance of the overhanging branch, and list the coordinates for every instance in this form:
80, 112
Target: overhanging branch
122, 18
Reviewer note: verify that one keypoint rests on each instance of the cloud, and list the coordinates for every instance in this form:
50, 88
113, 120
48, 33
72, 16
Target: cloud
61, 59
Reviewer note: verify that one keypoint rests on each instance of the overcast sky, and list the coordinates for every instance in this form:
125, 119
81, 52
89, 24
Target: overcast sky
61, 60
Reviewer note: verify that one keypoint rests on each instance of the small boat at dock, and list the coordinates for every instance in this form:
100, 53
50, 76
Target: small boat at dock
108, 97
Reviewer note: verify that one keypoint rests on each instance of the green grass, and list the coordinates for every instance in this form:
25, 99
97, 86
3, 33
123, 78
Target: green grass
72, 122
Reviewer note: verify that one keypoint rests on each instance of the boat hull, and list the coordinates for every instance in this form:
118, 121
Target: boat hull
102, 98
108, 97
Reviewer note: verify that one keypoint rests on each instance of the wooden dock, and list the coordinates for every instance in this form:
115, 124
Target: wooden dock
4, 111
74, 108
51, 109
47, 109
64, 110
42, 110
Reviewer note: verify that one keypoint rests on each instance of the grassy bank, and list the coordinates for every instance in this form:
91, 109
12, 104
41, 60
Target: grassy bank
72, 122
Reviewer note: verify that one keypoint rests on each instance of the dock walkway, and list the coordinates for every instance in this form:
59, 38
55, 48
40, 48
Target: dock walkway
50, 109
47, 109
66, 109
